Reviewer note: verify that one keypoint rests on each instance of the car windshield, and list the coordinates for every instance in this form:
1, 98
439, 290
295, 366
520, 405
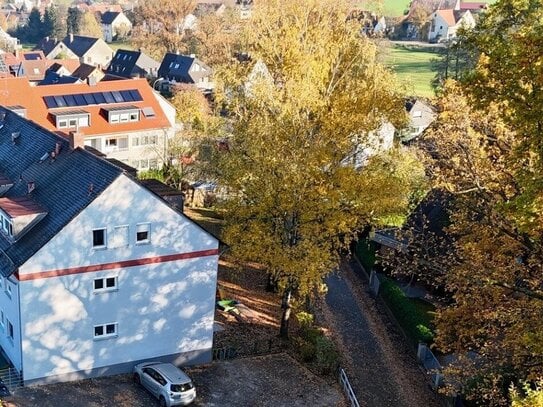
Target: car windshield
179, 388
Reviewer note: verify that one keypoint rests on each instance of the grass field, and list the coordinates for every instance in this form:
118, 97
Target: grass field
389, 8
413, 67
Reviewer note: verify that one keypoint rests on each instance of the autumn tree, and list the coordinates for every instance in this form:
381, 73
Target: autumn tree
295, 197
215, 37
486, 150
191, 151
89, 26
159, 26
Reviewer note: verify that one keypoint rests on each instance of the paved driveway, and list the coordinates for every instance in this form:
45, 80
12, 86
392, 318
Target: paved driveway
273, 380
379, 368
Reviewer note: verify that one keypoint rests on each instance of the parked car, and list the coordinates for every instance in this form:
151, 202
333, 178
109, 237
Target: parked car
169, 384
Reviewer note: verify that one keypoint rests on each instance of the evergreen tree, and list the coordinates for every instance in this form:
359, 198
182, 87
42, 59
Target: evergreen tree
52, 23
73, 21
33, 31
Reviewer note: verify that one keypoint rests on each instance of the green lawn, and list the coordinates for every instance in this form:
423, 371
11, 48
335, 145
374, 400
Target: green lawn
389, 8
120, 45
412, 65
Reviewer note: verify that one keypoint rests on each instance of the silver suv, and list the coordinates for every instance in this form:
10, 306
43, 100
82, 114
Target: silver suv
169, 384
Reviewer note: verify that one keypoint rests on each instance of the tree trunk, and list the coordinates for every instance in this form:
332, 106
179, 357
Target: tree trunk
271, 285
285, 317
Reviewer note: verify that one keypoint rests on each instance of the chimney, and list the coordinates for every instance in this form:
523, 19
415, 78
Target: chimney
31, 186
14, 136
58, 146
91, 81
77, 139
71, 38
193, 55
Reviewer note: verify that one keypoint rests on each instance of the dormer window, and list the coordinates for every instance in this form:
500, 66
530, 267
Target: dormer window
18, 215
122, 114
72, 119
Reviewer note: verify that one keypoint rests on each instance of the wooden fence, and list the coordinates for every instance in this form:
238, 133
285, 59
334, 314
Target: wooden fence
260, 347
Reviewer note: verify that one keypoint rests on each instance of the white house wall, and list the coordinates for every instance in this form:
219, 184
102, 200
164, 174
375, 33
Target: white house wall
440, 26
9, 305
164, 304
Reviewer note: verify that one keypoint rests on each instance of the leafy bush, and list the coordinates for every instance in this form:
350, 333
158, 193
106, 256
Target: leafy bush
314, 347
415, 321
326, 355
365, 251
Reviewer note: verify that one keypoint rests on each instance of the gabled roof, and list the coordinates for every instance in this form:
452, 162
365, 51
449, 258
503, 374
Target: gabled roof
179, 67
473, 6
17, 91
84, 71
448, 16
124, 63
79, 44
109, 17
63, 187
46, 45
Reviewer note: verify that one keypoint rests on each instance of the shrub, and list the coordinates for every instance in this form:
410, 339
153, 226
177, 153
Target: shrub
326, 355
415, 321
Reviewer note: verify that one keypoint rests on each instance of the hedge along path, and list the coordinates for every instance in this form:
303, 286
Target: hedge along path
382, 369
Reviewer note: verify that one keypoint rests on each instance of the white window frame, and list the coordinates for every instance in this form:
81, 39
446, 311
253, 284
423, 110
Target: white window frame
146, 225
105, 335
104, 288
105, 239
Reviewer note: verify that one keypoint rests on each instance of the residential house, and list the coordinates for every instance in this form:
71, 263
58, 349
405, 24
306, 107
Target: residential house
421, 115
177, 68
7, 42
123, 119
90, 73
200, 10
133, 64
31, 64
445, 23
112, 22
89, 50
97, 272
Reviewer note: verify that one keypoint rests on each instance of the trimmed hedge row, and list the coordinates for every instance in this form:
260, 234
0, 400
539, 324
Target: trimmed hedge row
415, 321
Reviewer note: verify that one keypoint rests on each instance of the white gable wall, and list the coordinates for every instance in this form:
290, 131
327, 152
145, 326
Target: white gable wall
164, 307
438, 28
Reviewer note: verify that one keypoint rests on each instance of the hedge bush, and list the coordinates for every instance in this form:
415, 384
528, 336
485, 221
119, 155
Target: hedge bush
415, 321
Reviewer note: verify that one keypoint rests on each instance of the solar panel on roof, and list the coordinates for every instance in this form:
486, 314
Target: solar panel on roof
80, 100
99, 97
136, 95
109, 97
94, 98
70, 100
60, 101
50, 102
127, 97
117, 96
89, 98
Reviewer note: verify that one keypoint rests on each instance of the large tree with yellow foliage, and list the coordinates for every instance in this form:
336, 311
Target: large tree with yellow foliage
487, 151
295, 198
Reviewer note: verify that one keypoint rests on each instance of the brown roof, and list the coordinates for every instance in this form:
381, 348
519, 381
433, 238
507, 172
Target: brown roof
473, 6
20, 206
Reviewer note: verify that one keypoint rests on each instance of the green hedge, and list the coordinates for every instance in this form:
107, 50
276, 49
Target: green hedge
365, 251
414, 318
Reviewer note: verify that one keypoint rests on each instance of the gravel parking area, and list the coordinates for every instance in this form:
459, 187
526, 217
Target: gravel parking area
272, 380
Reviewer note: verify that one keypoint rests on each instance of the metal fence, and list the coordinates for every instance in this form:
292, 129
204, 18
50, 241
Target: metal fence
260, 347
347, 389
11, 378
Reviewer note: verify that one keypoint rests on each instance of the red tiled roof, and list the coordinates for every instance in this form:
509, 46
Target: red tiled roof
448, 16
473, 6
17, 91
20, 206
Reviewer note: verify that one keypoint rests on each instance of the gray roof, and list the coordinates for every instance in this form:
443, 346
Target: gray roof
177, 67
127, 63
109, 16
79, 45
63, 187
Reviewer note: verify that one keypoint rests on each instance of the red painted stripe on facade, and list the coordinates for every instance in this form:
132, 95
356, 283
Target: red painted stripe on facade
116, 265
